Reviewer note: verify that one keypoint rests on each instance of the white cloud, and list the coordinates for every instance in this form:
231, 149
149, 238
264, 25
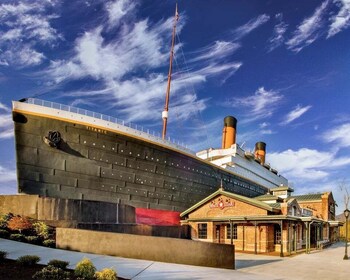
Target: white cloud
251, 25
6, 123
23, 56
279, 30
215, 51
7, 175
296, 113
118, 9
339, 135
25, 26
306, 164
341, 20
309, 30
260, 105
141, 47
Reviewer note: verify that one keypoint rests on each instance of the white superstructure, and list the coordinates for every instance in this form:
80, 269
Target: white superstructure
244, 164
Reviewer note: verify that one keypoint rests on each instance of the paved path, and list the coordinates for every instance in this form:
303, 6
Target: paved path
327, 264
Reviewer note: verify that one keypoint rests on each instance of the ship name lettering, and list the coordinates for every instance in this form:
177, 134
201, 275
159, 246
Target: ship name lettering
98, 130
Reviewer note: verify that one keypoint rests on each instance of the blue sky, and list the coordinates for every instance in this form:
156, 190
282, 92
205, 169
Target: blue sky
280, 67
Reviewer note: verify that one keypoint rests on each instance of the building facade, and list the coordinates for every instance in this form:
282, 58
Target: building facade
275, 222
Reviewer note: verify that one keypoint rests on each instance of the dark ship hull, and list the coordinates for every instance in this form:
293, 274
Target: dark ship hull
97, 163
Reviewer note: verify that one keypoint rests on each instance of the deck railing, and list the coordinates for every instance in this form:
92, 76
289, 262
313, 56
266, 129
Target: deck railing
84, 112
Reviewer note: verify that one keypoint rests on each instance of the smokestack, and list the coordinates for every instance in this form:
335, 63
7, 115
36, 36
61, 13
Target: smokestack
229, 132
260, 152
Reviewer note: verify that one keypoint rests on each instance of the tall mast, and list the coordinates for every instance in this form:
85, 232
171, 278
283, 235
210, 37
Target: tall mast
166, 107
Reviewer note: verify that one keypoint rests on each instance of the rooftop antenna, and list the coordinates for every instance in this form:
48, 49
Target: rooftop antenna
166, 107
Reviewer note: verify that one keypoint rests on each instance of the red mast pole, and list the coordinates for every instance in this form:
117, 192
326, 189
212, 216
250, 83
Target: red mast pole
166, 107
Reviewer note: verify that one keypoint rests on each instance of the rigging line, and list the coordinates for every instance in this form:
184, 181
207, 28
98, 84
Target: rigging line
179, 122
193, 90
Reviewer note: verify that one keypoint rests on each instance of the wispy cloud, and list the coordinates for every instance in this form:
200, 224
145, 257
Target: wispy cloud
341, 20
7, 175
251, 25
309, 30
306, 164
125, 68
6, 123
296, 113
217, 50
260, 105
340, 135
279, 30
25, 26
117, 10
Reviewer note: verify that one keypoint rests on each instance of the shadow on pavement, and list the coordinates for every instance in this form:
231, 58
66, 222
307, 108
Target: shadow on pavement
249, 263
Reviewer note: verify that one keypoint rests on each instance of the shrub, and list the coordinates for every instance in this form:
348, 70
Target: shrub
41, 229
4, 220
17, 237
58, 264
49, 243
85, 269
3, 256
4, 233
51, 272
28, 260
33, 239
19, 223
106, 274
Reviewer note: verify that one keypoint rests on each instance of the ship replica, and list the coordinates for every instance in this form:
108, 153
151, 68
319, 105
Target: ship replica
70, 153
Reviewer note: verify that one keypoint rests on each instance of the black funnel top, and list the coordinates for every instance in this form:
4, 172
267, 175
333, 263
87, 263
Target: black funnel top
230, 121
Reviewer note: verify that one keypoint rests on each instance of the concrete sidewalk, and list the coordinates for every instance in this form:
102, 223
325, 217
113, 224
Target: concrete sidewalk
326, 264
126, 268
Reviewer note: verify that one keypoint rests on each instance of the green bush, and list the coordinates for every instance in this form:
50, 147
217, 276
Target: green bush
4, 220
42, 229
17, 237
3, 256
33, 239
51, 272
4, 233
49, 243
28, 260
85, 269
106, 274
58, 264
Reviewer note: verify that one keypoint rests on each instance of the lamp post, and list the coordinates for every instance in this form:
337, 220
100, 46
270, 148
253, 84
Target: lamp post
346, 214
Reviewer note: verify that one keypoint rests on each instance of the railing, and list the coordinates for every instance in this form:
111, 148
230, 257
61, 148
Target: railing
155, 135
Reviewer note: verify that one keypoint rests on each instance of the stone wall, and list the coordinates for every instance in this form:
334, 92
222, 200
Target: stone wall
147, 247
68, 210
150, 230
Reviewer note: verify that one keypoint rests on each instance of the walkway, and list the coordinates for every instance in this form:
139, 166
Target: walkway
327, 264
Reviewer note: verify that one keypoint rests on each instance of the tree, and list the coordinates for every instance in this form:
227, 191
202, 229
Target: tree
19, 223
344, 187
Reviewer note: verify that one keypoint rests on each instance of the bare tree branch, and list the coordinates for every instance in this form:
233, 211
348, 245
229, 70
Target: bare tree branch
344, 187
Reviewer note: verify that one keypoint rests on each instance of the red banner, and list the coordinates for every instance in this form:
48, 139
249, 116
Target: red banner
157, 217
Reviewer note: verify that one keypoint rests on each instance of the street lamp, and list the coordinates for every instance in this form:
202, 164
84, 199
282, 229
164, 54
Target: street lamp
346, 214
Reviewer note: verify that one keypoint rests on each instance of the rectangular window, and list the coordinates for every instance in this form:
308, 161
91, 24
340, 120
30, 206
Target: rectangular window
202, 231
277, 238
228, 232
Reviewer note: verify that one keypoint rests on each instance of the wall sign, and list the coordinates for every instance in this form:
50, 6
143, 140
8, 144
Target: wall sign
221, 203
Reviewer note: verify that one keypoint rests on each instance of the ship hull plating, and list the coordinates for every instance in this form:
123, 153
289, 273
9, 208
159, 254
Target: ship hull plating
95, 164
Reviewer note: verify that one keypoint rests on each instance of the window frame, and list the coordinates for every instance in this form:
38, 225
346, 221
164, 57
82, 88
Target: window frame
235, 232
202, 230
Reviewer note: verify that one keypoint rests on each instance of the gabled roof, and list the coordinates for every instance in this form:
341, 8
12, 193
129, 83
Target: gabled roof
275, 205
266, 197
247, 200
307, 197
